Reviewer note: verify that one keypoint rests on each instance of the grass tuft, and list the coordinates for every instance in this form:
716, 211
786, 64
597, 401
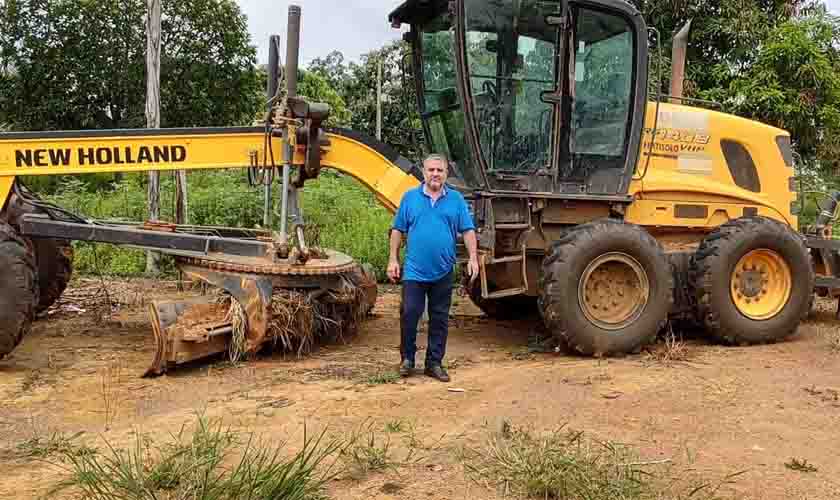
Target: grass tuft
674, 350
202, 465
55, 443
384, 377
566, 465
800, 465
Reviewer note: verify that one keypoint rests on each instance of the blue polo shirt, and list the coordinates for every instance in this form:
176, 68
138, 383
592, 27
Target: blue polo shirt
432, 230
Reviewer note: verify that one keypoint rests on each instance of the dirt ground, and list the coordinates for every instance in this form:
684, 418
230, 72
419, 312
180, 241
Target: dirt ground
720, 411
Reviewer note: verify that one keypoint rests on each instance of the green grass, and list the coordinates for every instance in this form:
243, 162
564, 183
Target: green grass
209, 463
567, 465
347, 214
41, 446
385, 377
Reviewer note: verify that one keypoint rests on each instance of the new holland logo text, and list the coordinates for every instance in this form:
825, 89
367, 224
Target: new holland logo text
127, 155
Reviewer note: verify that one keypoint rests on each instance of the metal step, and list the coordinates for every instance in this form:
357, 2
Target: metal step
509, 292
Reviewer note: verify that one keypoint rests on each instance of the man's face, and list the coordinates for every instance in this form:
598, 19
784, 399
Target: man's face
435, 173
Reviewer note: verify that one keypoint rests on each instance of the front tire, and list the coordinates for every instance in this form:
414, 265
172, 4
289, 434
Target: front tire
753, 281
606, 288
18, 289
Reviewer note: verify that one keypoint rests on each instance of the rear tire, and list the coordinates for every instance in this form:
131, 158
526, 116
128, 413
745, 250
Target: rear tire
606, 288
18, 289
505, 308
54, 257
753, 281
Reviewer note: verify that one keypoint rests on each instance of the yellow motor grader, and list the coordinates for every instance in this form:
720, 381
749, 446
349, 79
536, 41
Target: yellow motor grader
600, 209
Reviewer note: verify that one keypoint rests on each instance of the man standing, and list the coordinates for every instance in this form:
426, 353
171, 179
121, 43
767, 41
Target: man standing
431, 216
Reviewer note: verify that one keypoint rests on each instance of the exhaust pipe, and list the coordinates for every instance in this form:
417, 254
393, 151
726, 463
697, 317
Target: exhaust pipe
679, 49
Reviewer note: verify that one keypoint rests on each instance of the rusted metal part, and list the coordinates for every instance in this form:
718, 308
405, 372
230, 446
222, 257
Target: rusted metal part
186, 330
196, 328
253, 292
153, 225
334, 263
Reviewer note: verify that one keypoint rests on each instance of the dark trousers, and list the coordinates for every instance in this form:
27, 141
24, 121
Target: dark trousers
414, 297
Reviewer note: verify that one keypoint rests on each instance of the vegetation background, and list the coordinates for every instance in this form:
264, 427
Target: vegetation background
71, 64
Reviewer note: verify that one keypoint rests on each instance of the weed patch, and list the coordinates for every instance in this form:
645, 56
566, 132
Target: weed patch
567, 465
195, 465
800, 465
54, 443
672, 351
385, 377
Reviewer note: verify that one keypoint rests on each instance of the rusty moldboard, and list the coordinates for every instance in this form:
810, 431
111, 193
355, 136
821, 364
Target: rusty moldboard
186, 330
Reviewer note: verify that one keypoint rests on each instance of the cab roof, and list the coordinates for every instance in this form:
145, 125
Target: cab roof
416, 11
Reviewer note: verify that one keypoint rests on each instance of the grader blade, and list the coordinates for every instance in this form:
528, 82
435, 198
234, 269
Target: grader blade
187, 330
190, 329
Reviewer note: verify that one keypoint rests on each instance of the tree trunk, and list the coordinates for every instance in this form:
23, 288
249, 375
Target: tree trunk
153, 114
181, 204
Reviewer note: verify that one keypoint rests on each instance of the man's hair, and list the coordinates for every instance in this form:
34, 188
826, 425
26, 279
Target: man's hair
436, 157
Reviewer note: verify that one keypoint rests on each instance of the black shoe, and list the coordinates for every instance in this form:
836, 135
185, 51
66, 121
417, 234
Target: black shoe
437, 371
406, 368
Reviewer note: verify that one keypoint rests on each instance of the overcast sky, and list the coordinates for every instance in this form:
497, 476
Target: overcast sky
352, 26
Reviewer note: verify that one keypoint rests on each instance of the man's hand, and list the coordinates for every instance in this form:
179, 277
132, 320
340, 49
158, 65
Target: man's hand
472, 268
393, 270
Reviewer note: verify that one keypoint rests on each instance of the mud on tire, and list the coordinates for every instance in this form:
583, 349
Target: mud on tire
18, 289
576, 278
724, 253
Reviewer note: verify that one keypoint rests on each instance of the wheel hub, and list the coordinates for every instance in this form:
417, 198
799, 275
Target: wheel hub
761, 284
613, 291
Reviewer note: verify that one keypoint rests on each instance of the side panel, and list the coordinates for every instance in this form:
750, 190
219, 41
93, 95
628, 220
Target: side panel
685, 165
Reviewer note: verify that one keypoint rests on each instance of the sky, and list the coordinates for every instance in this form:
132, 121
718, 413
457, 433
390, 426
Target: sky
353, 27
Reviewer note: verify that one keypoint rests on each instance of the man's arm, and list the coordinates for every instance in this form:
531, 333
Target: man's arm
393, 256
471, 242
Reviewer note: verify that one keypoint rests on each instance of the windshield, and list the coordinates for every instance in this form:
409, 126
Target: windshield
442, 114
511, 60
602, 86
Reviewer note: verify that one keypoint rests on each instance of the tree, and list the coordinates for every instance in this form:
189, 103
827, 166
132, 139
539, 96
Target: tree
401, 126
794, 84
725, 35
317, 88
79, 64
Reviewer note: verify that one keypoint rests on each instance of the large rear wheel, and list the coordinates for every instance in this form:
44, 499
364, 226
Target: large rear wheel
53, 257
18, 289
606, 288
753, 281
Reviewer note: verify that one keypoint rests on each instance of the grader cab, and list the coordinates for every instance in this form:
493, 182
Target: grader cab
601, 210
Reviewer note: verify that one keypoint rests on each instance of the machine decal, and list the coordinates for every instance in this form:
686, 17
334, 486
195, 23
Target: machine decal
697, 164
63, 157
